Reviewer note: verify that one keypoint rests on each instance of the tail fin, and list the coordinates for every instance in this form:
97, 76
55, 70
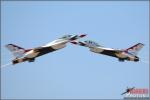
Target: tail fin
135, 49
16, 50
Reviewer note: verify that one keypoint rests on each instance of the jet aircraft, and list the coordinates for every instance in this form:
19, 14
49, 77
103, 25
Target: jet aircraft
22, 55
129, 54
128, 90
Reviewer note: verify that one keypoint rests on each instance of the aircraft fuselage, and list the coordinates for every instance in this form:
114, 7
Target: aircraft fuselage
121, 55
39, 51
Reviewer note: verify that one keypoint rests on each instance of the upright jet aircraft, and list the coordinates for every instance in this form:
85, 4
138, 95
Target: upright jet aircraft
129, 54
22, 55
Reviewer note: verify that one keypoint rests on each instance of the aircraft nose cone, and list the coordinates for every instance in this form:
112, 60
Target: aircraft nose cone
83, 35
77, 37
136, 59
73, 42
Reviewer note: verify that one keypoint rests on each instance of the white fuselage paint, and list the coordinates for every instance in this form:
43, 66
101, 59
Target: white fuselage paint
59, 45
99, 49
58, 41
96, 50
125, 55
31, 54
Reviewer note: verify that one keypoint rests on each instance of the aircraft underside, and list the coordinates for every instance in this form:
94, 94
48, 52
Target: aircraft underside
120, 57
30, 58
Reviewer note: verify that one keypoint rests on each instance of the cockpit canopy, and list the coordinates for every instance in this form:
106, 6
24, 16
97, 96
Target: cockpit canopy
66, 37
91, 43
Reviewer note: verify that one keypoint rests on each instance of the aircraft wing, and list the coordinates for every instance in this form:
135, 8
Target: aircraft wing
107, 51
43, 50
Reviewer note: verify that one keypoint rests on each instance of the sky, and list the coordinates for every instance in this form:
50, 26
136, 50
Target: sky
74, 72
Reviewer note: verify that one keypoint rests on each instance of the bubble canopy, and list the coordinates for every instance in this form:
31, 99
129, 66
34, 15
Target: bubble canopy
66, 37
92, 43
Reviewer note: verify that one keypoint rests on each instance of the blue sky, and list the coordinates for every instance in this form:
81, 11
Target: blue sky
74, 72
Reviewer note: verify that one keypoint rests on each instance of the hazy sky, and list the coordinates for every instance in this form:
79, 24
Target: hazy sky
74, 72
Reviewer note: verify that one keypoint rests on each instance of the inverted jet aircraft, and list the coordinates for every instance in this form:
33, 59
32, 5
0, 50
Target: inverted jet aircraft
22, 55
129, 54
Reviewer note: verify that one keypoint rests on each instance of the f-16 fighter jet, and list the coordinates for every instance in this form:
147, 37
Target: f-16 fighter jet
128, 90
22, 55
129, 54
